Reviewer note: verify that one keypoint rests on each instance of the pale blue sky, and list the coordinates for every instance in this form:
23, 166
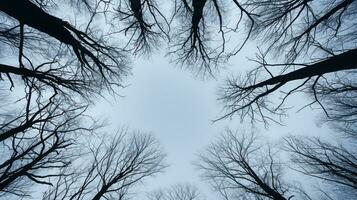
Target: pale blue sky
178, 109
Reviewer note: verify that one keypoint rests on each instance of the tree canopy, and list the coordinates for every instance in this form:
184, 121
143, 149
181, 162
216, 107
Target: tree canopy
56, 57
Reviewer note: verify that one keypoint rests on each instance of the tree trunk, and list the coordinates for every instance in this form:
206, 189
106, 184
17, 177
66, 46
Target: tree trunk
28, 13
343, 61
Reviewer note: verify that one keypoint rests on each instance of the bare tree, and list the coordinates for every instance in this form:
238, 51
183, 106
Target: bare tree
338, 94
176, 192
312, 38
240, 166
38, 138
194, 42
38, 111
114, 167
84, 47
332, 163
295, 28
145, 23
54, 60
56, 53
31, 156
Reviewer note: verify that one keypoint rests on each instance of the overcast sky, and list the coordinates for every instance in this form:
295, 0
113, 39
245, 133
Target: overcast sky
178, 109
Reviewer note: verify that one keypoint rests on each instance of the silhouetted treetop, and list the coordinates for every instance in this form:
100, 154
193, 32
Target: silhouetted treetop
335, 164
241, 165
204, 30
98, 63
309, 42
176, 192
113, 167
57, 56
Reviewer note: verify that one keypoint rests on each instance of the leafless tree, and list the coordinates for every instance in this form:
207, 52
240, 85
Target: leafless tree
113, 168
176, 192
314, 39
240, 166
338, 93
146, 24
37, 111
53, 56
33, 155
54, 59
335, 164
194, 42
38, 137
56, 53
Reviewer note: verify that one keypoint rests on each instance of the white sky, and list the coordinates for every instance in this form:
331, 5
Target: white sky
178, 108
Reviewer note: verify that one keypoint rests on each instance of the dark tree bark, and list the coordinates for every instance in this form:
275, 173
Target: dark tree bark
83, 45
28, 13
343, 61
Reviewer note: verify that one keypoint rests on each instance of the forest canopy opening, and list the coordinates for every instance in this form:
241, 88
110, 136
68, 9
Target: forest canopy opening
58, 57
